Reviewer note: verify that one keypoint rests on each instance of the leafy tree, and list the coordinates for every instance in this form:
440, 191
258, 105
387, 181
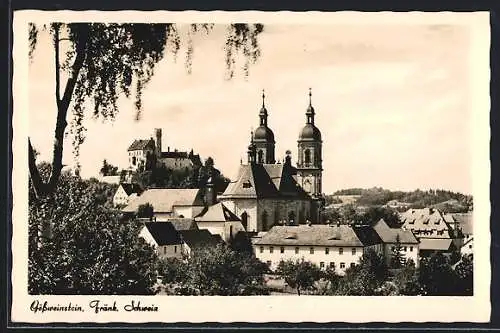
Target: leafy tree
221, 271
366, 278
145, 211
374, 214
108, 169
406, 280
104, 61
300, 274
437, 276
465, 273
87, 248
397, 260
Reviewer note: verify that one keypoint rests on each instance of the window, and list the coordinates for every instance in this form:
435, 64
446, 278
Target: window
175, 249
296, 250
164, 250
352, 264
341, 250
353, 251
271, 249
282, 250
268, 263
307, 156
134, 160
342, 265
411, 248
393, 248
311, 250
470, 246
247, 184
404, 248
327, 250
261, 249
260, 156
321, 265
332, 264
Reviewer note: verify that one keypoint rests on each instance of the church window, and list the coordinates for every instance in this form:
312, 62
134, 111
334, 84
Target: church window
244, 220
307, 156
260, 156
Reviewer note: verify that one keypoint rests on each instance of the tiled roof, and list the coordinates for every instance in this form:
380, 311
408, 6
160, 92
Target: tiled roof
465, 222
217, 213
198, 238
163, 199
264, 181
130, 188
426, 221
367, 235
435, 244
182, 223
319, 235
141, 144
163, 233
389, 235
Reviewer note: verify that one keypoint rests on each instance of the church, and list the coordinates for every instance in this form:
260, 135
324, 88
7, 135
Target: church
265, 192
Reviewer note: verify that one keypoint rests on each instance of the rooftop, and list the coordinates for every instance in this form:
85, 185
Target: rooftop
163, 233
389, 235
163, 199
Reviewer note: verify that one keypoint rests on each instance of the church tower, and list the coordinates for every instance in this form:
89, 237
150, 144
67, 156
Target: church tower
309, 164
263, 138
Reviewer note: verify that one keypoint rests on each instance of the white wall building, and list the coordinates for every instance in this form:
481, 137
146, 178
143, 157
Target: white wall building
125, 193
323, 245
408, 242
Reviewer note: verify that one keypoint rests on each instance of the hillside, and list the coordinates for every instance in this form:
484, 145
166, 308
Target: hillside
444, 200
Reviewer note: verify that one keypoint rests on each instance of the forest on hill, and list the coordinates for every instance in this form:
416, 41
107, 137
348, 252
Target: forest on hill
377, 196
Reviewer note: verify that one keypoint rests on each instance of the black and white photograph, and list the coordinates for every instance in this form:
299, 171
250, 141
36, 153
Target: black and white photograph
318, 156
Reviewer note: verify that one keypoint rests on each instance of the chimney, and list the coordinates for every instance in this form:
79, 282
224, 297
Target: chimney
158, 141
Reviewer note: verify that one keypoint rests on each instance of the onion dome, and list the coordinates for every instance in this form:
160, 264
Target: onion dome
310, 132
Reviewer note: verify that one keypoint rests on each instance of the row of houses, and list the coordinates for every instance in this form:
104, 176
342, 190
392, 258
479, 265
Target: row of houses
185, 219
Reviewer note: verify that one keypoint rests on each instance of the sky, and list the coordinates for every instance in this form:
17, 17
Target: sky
392, 103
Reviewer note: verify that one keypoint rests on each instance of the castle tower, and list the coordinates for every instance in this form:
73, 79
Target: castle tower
309, 164
158, 142
263, 138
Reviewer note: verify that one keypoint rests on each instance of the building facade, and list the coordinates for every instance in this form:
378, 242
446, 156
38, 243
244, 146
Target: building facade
265, 193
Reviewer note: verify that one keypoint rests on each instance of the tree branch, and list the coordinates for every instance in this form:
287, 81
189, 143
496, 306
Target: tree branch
41, 188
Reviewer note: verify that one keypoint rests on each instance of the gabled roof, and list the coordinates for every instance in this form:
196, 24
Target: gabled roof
141, 144
198, 238
435, 244
163, 199
180, 223
389, 235
264, 181
367, 235
430, 219
216, 213
163, 233
311, 235
130, 188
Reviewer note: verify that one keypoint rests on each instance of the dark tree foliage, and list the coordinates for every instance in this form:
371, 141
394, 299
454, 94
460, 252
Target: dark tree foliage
406, 280
437, 276
86, 248
103, 61
397, 259
108, 169
145, 211
377, 196
364, 279
374, 214
300, 275
217, 271
465, 276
